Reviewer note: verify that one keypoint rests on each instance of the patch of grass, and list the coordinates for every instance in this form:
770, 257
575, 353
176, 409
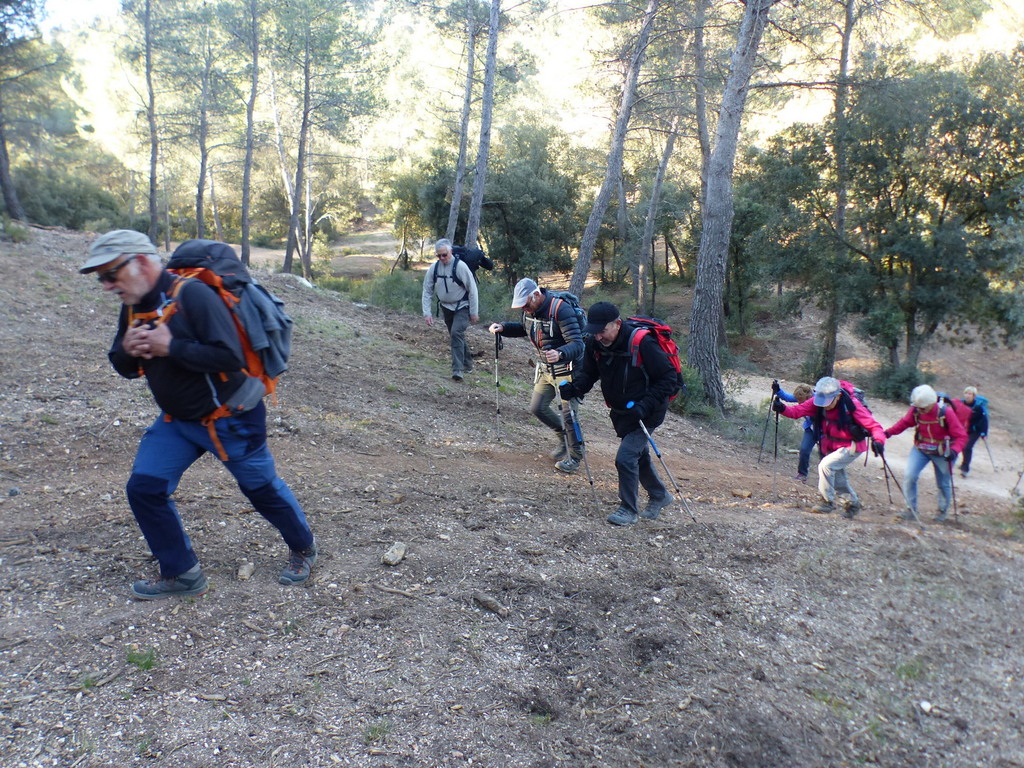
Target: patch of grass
837, 705
377, 733
911, 670
15, 232
541, 718
48, 419
142, 660
87, 680
291, 627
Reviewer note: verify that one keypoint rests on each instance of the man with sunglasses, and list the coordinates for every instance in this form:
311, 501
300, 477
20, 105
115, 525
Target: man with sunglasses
192, 360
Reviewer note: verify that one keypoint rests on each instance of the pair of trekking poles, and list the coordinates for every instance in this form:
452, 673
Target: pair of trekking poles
577, 430
886, 469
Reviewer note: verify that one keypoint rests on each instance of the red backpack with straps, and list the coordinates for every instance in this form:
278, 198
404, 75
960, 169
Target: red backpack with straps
663, 335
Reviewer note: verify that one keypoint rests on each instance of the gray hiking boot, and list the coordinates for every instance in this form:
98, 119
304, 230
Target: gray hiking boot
559, 452
942, 517
908, 515
569, 465
824, 508
188, 584
622, 516
299, 566
653, 508
851, 508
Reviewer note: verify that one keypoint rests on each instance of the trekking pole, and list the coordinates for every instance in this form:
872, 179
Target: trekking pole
498, 344
764, 433
675, 485
985, 441
952, 492
1020, 475
887, 468
576, 430
775, 460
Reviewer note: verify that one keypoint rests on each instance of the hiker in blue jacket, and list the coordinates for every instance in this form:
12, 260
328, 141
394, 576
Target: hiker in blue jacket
977, 429
800, 393
633, 393
553, 327
192, 360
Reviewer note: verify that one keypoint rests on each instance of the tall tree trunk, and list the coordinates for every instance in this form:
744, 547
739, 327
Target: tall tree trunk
250, 123
300, 162
214, 210
282, 157
700, 96
643, 302
14, 207
706, 317
467, 102
154, 142
833, 308
476, 202
204, 134
615, 152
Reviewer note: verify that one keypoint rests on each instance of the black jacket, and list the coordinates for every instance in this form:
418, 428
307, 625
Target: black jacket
648, 386
562, 333
187, 384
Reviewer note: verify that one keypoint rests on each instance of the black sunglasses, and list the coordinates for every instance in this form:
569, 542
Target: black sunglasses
110, 276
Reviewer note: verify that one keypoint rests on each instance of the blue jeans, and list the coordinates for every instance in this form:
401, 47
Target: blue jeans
916, 462
635, 468
168, 448
457, 322
806, 446
832, 478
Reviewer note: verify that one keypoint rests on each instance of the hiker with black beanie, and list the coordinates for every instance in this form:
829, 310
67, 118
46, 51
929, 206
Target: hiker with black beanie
634, 392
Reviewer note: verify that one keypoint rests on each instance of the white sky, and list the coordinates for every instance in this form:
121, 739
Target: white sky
65, 13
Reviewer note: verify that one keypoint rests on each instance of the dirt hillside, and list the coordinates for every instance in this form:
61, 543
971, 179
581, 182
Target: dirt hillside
520, 629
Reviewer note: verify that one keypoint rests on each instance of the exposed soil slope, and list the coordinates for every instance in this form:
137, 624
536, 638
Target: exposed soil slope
521, 629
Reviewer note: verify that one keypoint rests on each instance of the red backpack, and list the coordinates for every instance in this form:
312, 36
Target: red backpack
663, 335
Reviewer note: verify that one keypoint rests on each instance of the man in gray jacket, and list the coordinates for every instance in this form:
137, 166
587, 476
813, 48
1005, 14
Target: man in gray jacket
452, 281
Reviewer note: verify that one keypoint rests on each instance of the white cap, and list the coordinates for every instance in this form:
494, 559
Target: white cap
109, 246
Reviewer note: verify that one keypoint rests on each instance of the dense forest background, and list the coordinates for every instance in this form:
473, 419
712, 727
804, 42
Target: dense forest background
865, 155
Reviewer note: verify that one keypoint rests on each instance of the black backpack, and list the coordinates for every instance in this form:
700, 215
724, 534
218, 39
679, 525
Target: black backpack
474, 258
557, 297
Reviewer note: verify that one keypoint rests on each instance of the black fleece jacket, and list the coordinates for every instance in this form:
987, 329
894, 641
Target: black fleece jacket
204, 365
648, 386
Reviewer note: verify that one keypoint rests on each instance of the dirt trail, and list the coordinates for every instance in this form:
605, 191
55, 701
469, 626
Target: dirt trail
520, 629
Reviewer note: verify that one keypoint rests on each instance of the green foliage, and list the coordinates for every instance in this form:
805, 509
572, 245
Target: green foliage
14, 232
692, 400
54, 198
896, 382
142, 660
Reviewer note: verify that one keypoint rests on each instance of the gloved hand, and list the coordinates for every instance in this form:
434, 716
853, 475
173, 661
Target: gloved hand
775, 387
566, 390
877, 447
778, 406
637, 409
952, 457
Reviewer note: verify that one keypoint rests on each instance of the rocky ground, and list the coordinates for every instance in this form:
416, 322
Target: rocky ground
520, 629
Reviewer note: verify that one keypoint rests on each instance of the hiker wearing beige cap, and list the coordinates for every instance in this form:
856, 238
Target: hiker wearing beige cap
192, 360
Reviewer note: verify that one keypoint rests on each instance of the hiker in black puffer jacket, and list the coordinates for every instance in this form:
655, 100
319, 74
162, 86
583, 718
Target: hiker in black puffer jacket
178, 333
552, 325
634, 393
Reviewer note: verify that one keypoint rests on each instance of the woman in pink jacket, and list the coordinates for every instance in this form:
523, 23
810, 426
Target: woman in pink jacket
939, 437
842, 425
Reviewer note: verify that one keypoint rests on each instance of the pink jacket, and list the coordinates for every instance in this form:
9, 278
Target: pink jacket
931, 430
834, 433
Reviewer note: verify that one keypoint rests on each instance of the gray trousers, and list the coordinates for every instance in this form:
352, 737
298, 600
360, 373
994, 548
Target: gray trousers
457, 322
544, 394
635, 468
832, 479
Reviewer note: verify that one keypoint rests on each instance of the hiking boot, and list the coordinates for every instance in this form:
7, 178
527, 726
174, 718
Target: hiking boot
188, 584
852, 508
653, 508
559, 452
907, 515
299, 566
457, 376
569, 465
964, 473
824, 508
800, 477
622, 516
942, 517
